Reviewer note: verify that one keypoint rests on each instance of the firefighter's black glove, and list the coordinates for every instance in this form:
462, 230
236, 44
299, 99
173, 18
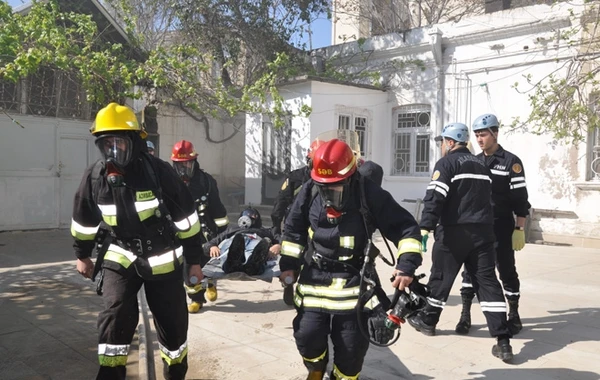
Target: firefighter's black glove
377, 330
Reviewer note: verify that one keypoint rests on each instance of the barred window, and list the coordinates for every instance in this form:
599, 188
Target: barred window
358, 124
411, 140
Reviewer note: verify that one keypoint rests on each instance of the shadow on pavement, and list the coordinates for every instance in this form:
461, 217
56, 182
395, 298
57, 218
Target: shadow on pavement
35, 247
552, 333
47, 324
535, 374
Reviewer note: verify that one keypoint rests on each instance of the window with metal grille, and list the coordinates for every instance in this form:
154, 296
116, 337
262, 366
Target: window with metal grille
411, 140
359, 125
42, 93
9, 95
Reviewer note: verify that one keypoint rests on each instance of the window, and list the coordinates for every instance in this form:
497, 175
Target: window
359, 125
411, 140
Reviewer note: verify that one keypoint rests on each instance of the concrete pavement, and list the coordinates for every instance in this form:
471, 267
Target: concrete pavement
47, 324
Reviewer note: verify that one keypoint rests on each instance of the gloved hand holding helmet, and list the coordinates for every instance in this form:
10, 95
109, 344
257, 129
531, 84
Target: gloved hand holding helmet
184, 159
333, 166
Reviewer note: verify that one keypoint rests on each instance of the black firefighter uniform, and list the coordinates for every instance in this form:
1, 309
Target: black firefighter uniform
146, 249
327, 293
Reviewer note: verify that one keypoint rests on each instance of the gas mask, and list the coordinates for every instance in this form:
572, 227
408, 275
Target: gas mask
116, 152
245, 222
334, 198
115, 149
185, 169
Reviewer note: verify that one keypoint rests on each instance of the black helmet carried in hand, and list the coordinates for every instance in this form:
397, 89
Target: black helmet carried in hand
250, 218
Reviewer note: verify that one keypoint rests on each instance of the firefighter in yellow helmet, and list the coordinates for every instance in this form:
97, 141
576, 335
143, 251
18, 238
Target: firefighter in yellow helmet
152, 225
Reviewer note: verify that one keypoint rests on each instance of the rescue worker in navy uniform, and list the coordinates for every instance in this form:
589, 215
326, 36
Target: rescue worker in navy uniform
459, 198
212, 213
153, 224
509, 198
328, 222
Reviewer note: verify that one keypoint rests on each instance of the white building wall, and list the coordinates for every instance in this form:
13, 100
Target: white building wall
224, 161
41, 166
483, 58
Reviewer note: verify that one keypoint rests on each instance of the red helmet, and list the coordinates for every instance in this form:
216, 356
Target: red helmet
333, 162
183, 151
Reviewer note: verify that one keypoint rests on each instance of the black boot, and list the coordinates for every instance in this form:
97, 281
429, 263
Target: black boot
503, 350
464, 323
514, 321
235, 255
419, 322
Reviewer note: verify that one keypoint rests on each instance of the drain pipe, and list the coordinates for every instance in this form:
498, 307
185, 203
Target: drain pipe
435, 40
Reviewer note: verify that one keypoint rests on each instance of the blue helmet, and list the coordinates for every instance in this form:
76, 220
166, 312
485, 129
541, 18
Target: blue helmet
456, 131
485, 121
150, 145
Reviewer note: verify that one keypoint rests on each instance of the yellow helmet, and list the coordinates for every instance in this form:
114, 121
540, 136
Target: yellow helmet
115, 117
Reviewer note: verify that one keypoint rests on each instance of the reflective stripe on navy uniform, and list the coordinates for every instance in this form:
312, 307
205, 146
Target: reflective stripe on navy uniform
459, 198
509, 189
509, 198
452, 196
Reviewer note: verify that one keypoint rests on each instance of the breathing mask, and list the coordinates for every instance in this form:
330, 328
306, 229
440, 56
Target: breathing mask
185, 169
334, 197
115, 149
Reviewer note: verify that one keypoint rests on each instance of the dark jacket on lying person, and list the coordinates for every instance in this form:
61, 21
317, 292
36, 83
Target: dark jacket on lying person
232, 230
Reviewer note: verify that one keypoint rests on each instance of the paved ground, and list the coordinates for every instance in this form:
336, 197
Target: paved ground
47, 324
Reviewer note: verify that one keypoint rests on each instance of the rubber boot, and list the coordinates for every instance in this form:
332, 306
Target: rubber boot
194, 307
503, 350
211, 292
464, 323
315, 375
514, 321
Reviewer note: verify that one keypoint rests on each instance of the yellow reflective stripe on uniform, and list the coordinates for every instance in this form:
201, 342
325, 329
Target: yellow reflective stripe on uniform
165, 263
146, 209
409, 245
119, 255
327, 291
318, 358
109, 214
338, 375
310, 232
188, 227
221, 222
291, 249
80, 232
345, 258
297, 190
328, 304
113, 355
347, 242
173, 357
